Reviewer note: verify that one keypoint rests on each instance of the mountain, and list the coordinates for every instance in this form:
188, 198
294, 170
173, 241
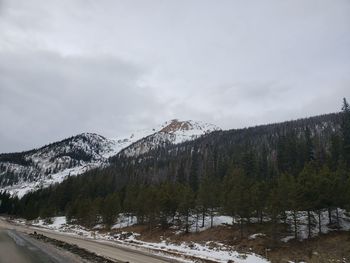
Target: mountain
175, 150
21, 172
25, 171
172, 132
265, 150
261, 154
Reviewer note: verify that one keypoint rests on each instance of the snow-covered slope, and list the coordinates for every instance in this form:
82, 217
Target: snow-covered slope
20, 172
23, 172
172, 132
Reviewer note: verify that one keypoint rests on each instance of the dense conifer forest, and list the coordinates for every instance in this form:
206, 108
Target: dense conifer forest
258, 172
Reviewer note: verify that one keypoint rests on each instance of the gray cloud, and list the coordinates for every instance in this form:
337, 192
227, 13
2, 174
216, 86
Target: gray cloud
45, 96
114, 66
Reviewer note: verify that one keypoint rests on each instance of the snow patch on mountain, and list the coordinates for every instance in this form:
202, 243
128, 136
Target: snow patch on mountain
31, 170
22, 172
172, 132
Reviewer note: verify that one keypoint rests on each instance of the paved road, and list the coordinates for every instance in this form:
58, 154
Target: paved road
109, 250
16, 247
11, 250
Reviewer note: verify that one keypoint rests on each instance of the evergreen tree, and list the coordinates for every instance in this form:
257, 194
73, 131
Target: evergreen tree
335, 151
130, 201
186, 203
208, 197
309, 186
288, 193
238, 196
167, 203
309, 148
151, 205
86, 214
260, 194
110, 209
345, 128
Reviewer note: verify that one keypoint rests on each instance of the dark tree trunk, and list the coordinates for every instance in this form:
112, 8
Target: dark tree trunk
187, 223
309, 223
284, 218
337, 213
295, 224
203, 218
329, 215
319, 222
241, 227
211, 218
150, 223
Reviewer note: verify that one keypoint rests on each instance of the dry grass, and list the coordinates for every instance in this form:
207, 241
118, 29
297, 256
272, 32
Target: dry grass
333, 247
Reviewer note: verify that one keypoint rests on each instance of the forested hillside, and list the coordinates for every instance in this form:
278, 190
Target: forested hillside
23, 172
300, 165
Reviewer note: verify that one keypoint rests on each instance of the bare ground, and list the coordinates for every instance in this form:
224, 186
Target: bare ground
332, 247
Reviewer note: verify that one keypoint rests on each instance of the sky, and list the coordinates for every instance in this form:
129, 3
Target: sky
113, 67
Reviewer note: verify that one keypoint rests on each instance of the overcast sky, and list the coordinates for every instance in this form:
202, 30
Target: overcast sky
112, 67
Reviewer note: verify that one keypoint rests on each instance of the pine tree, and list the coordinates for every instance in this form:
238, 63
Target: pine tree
186, 203
110, 209
84, 215
167, 203
193, 176
130, 199
335, 151
288, 194
345, 128
259, 198
238, 196
274, 208
308, 182
151, 205
309, 147
208, 197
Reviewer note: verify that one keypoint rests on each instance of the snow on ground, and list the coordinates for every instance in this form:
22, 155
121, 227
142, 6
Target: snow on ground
218, 220
57, 223
211, 250
257, 235
124, 221
344, 223
219, 253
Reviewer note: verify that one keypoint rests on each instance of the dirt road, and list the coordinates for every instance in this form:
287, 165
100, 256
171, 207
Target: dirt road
105, 249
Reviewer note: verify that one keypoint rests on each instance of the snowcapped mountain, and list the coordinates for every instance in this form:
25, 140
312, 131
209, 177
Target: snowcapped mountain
25, 171
172, 132
21, 172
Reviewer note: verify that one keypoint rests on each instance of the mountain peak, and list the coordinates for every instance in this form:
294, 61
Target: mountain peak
171, 132
177, 125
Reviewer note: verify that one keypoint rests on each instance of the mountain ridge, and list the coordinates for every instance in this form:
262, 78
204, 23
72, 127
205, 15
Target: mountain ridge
21, 172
